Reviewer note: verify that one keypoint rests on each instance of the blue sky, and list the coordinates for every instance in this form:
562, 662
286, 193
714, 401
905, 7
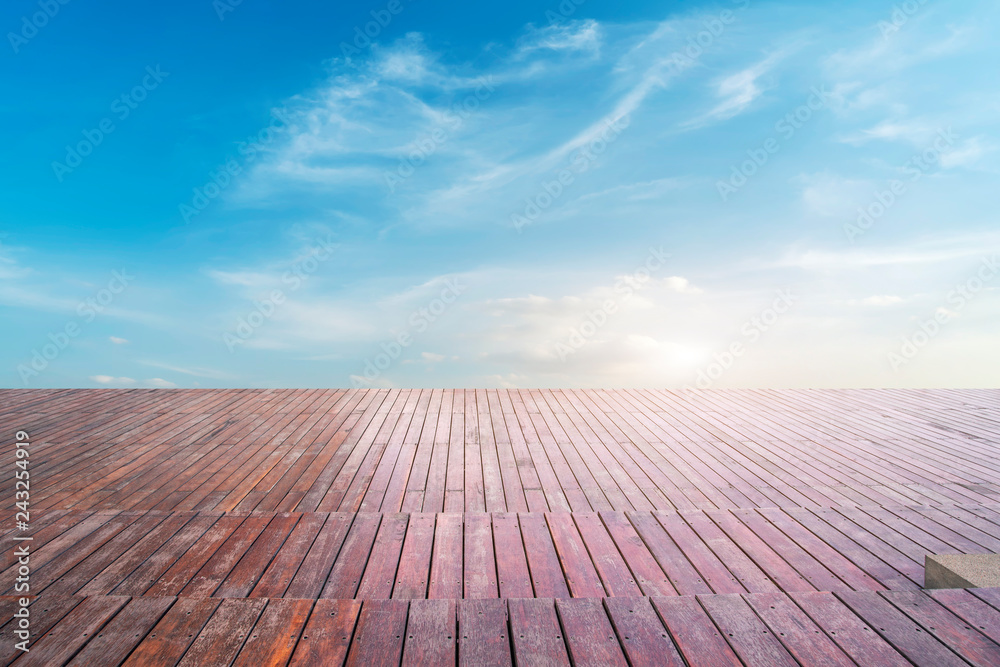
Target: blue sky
733, 194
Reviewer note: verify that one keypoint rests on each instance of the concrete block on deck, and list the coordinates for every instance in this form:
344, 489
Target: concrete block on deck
962, 571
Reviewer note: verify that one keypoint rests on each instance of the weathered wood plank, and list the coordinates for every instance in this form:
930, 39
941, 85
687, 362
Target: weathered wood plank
641, 632
482, 628
431, 633
536, 633
380, 633
327, 635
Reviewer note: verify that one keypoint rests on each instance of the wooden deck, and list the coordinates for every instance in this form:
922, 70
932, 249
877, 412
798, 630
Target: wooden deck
503, 527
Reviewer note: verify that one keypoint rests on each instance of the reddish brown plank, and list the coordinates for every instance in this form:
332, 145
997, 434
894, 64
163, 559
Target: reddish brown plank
279, 574
327, 635
273, 638
800, 636
906, 636
431, 633
642, 634
415, 560
543, 562
847, 630
312, 574
353, 558
513, 577
480, 563
224, 634
536, 633
973, 610
380, 574
610, 566
116, 640
171, 637
482, 628
75, 629
251, 567
446, 562
749, 637
221, 563
589, 635
682, 574
43, 615
379, 636
973, 645
153, 568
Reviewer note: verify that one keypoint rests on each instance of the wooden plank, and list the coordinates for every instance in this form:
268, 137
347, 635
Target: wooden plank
804, 562
513, 576
496, 481
224, 634
286, 563
543, 562
475, 481
973, 610
480, 564
682, 574
799, 634
589, 635
150, 571
907, 637
536, 633
510, 467
713, 571
847, 630
273, 638
647, 572
327, 635
752, 641
311, 576
642, 634
454, 491
581, 575
414, 572
876, 541
353, 558
406, 461
446, 561
385, 457
58, 645
171, 637
433, 493
228, 554
482, 628
991, 596
729, 548
951, 630
431, 633
251, 567
116, 640
61, 553
379, 637
79, 574
886, 575
380, 574
610, 566
43, 614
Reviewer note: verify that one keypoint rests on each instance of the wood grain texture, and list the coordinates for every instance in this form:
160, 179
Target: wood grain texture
484, 526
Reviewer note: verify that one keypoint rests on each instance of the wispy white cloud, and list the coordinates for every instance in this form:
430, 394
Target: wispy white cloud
209, 373
966, 154
738, 91
572, 36
111, 381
